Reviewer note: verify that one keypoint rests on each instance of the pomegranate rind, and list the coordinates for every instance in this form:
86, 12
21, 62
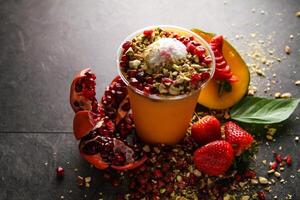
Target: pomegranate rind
95, 160
84, 122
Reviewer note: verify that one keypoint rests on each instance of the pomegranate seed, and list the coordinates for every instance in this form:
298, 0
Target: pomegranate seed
207, 60
134, 82
250, 174
205, 76
261, 195
148, 33
238, 177
274, 165
157, 173
124, 58
60, 172
278, 158
131, 73
149, 80
147, 90
126, 45
123, 64
167, 81
190, 48
288, 159
199, 51
195, 79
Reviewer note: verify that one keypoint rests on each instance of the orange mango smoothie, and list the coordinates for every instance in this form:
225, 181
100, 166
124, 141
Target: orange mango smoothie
165, 68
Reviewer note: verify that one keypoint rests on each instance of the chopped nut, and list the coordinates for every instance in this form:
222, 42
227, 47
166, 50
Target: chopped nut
264, 162
271, 131
146, 148
277, 95
297, 82
263, 180
287, 49
269, 137
271, 171
227, 197
297, 14
254, 181
281, 168
80, 181
260, 72
87, 179
179, 178
286, 95
297, 138
197, 173
156, 150
245, 197
242, 184
134, 64
277, 174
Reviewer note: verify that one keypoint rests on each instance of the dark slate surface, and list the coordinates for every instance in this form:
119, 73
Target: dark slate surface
43, 44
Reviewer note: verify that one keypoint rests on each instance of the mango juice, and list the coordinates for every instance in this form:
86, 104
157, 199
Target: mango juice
162, 120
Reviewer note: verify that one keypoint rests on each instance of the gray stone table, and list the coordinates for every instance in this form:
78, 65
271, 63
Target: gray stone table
44, 42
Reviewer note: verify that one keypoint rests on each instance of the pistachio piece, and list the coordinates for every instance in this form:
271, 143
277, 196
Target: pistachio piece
162, 89
129, 52
176, 67
134, 64
174, 90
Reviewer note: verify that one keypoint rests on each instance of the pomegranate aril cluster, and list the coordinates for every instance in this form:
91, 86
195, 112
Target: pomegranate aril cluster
86, 86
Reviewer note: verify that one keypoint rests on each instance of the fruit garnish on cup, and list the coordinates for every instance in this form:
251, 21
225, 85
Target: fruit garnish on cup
231, 78
165, 68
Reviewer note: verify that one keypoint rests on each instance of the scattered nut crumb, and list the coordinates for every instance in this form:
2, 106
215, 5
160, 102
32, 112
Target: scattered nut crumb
277, 174
263, 180
286, 95
277, 95
297, 82
287, 49
297, 14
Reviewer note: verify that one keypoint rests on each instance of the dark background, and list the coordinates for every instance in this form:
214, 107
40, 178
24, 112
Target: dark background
43, 43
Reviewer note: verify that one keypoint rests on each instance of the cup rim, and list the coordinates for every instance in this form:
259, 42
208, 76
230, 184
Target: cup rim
155, 96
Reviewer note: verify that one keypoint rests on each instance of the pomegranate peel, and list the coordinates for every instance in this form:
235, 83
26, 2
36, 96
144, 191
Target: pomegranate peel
84, 122
95, 160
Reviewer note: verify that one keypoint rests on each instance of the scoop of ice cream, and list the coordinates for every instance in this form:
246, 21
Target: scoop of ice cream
164, 51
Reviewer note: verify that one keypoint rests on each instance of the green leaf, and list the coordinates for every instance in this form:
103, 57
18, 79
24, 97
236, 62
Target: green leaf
263, 111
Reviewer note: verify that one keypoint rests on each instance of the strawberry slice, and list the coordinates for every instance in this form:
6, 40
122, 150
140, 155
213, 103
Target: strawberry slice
237, 137
206, 130
223, 71
215, 158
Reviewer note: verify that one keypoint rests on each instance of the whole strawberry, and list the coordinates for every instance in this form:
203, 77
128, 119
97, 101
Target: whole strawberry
215, 158
237, 137
206, 130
